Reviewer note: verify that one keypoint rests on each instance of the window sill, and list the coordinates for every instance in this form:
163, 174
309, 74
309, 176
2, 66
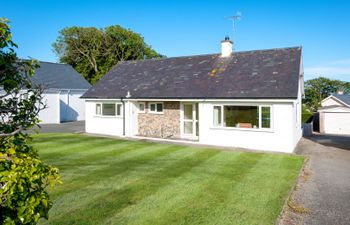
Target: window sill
100, 116
243, 129
159, 113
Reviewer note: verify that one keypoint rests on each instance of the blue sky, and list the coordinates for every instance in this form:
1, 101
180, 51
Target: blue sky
177, 28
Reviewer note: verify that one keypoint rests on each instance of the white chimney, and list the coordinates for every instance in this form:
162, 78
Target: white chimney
226, 47
340, 92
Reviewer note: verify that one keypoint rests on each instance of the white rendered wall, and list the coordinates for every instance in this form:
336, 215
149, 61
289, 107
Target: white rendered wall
297, 129
336, 122
64, 109
72, 108
281, 138
77, 103
107, 125
52, 113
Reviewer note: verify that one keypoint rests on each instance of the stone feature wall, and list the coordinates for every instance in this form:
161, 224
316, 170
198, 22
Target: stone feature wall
165, 125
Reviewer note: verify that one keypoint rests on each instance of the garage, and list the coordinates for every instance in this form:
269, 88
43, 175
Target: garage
63, 87
335, 115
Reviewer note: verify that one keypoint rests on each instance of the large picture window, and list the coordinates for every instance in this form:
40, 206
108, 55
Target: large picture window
108, 109
241, 116
250, 117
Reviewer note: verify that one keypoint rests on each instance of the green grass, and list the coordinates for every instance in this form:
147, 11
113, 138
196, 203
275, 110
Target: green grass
109, 181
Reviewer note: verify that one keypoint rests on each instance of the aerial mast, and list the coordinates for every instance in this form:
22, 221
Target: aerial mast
234, 19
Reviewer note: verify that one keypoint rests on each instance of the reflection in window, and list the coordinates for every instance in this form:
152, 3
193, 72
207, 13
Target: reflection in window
253, 117
241, 116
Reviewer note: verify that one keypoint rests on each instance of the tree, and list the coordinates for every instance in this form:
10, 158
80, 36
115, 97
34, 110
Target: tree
319, 88
93, 52
23, 176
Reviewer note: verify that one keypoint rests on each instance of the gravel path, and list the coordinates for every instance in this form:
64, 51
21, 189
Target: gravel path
68, 127
324, 188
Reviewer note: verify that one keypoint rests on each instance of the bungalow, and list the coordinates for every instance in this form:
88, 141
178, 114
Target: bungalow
249, 99
63, 87
334, 114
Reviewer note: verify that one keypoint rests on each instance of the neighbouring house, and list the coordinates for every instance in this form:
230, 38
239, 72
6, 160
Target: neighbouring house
334, 114
249, 99
63, 87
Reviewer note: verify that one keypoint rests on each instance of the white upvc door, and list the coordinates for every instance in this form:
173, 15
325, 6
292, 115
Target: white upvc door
190, 120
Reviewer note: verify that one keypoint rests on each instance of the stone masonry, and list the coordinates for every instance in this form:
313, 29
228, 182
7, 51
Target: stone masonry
165, 125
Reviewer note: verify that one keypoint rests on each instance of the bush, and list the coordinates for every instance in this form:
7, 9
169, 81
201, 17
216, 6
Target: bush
23, 176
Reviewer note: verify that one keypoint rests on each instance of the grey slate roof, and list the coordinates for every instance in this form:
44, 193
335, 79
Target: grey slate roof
266, 74
344, 98
59, 76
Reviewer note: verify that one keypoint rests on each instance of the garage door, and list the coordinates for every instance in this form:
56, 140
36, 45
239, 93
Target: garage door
337, 123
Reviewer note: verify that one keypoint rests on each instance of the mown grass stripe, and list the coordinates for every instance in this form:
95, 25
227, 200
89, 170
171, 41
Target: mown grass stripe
129, 182
90, 193
91, 150
117, 200
120, 165
209, 192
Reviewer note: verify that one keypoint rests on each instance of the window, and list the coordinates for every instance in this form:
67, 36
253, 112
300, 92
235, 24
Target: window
241, 116
217, 115
98, 109
265, 117
251, 117
156, 107
142, 107
108, 109
119, 109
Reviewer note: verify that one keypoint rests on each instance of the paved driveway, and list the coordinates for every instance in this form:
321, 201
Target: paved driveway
68, 127
326, 191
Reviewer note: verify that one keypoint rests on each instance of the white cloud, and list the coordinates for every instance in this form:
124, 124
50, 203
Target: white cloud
334, 69
327, 71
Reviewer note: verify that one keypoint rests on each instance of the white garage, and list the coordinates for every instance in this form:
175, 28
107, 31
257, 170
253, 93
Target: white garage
335, 115
63, 88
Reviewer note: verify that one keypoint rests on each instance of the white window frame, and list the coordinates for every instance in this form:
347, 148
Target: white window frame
194, 120
144, 107
98, 114
155, 103
116, 109
240, 128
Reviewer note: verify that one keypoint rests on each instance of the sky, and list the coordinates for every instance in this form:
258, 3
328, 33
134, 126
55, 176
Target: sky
180, 28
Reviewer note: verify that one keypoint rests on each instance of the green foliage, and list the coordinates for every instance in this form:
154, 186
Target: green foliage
23, 176
93, 52
306, 115
319, 88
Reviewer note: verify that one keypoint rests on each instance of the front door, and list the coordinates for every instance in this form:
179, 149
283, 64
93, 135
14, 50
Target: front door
190, 120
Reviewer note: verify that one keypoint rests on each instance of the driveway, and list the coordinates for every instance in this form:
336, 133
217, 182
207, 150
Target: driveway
67, 127
325, 189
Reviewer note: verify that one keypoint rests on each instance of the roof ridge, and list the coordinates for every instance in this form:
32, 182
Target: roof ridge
40, 61
210, 54
66, 64
167, 58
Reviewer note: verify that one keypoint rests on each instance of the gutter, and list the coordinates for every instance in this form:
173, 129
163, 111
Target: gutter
288, 100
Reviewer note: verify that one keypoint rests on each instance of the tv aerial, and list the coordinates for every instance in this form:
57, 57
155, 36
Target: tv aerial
234, 19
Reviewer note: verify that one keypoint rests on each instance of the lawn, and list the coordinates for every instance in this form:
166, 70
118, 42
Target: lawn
110, 181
